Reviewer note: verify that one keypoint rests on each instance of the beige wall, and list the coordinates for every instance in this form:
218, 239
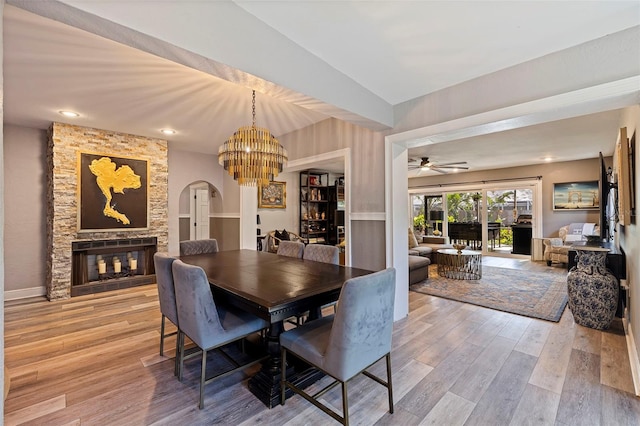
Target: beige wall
629, 236
186, 168
2, 217
367, 180
367, 157
25, 211
571, 171
226, 231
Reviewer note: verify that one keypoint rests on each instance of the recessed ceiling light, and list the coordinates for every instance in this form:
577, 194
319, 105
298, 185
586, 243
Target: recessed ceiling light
70, 114
168, 131
548, 159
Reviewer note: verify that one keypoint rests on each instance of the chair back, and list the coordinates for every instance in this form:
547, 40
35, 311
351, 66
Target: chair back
322, 253
362, 325
189, 247
291, 249
197, 311
166, 288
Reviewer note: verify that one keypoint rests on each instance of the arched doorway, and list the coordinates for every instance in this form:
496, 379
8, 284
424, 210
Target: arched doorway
198, 204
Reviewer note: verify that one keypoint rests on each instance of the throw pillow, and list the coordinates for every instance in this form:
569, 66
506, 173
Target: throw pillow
413, 242
284, 235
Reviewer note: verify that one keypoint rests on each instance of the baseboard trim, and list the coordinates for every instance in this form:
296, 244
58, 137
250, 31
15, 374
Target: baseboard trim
25, 293
633, 356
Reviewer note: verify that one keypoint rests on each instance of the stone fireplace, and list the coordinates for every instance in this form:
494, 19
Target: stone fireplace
71, 254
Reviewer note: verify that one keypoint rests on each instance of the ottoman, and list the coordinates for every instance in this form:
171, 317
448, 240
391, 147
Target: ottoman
418, 269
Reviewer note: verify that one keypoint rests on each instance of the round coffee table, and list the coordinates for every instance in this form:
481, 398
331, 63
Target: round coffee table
460, 265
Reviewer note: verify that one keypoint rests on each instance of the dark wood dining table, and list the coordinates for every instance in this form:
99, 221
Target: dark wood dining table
274, 288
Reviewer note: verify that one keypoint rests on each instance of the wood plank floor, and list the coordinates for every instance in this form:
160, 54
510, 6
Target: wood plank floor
93, 360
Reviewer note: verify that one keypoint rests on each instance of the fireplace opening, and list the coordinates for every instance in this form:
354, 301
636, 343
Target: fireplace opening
104, 265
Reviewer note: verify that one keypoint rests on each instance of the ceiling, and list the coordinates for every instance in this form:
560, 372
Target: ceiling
404, 50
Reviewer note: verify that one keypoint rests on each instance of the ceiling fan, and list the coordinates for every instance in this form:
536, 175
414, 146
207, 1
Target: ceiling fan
425, 164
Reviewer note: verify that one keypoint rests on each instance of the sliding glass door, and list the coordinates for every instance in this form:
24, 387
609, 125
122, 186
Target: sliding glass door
504, 207
483, 218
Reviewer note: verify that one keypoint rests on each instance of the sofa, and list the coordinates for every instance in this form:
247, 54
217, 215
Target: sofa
557, 249
419, 259
428, 247
435, 243
416, 249
418, 269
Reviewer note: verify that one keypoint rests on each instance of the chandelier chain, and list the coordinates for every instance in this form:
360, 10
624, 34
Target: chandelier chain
253, 108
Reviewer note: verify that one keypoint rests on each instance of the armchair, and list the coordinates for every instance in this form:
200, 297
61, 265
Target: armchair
557, 249
273, 238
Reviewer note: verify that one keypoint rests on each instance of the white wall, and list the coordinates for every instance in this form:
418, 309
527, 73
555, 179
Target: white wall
287, 218
596, 62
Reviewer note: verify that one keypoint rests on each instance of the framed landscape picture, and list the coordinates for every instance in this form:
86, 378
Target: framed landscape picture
576, 196
273, 196
112, 193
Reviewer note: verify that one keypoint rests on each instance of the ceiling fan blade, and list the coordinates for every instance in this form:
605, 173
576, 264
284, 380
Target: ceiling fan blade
437, 169
454, 164
452, 167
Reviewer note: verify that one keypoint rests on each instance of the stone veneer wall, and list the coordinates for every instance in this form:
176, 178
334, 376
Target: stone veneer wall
65, 141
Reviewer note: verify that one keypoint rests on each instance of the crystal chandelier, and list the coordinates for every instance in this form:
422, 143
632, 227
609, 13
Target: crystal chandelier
252, 155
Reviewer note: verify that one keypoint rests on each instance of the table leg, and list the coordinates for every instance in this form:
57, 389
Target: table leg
265, 384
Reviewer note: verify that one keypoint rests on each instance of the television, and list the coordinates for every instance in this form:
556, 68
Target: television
603, 194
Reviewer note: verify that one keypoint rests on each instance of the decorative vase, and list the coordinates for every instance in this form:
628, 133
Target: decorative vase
592, 289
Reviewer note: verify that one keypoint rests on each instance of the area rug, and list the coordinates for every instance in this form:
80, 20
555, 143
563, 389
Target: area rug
532, 294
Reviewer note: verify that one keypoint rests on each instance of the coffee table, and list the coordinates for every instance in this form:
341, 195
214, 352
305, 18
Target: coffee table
460, 265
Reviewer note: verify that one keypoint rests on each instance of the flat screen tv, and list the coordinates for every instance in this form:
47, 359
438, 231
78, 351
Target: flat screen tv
603, 193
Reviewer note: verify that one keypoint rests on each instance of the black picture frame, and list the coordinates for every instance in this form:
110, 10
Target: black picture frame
127, 180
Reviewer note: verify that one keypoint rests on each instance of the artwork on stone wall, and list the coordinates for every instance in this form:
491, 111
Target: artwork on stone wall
112, 192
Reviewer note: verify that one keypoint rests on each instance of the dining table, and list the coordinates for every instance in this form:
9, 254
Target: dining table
274, 288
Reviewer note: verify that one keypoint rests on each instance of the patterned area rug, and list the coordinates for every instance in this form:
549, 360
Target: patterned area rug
532, 294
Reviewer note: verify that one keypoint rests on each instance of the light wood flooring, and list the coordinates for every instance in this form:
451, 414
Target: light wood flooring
93, 360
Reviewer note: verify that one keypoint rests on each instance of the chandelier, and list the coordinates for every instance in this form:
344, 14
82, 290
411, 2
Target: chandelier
252, 155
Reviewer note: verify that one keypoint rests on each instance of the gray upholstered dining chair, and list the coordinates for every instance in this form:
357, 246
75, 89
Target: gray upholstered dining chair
189, 247
347, 343
322, 253
208, 325
291, 249
167, 299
